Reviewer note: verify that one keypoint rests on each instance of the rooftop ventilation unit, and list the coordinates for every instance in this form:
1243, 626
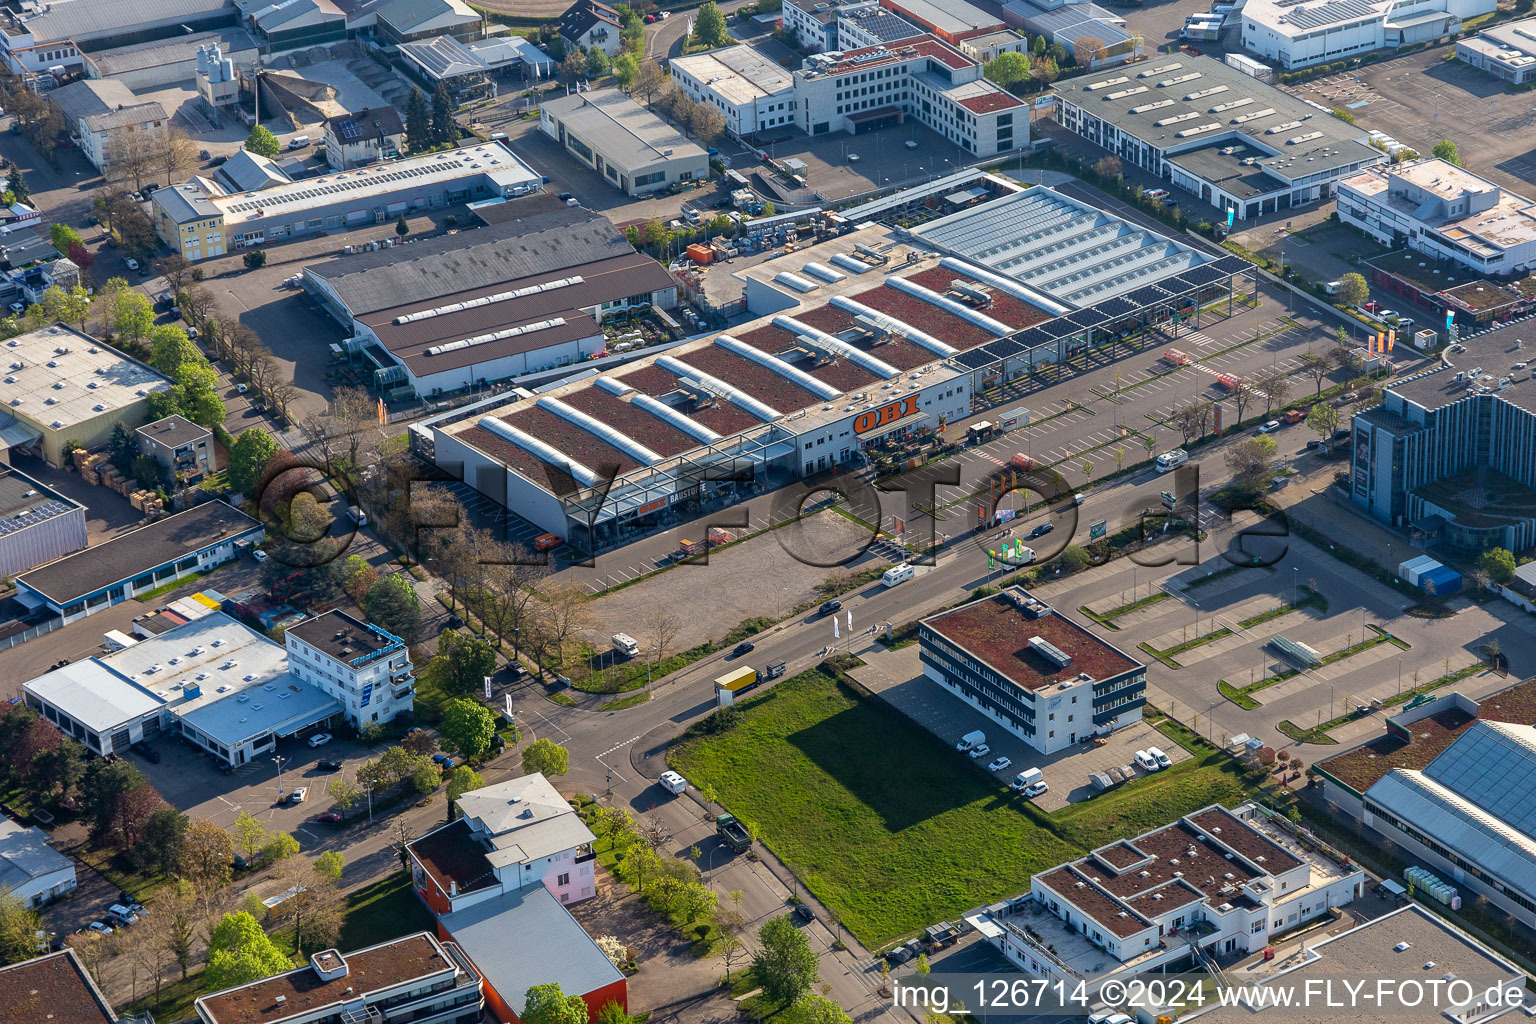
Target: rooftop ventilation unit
1050, 651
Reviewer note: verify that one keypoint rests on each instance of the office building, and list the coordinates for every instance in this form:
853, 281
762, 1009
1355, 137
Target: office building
54, 987
1215, 883
813, 24
1297, 36
1505, 51
636, 151
415, 978
61, 385
109, 123
30, 869
214, 681
1445, 211
197, 540
591, 24
870, 24
1212, 130
509, 836
989, 47
1035, 672
744, 83
36, 37
201, 225
37, 523
1451, 451
183, 448
517, 297
366, 669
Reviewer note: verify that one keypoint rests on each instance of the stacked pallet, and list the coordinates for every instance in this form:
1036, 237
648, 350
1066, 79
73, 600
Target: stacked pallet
90, 465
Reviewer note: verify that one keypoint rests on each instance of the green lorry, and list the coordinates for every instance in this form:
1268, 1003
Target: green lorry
732, 833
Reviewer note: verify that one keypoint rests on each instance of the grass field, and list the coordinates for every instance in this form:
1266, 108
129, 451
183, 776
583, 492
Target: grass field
384, 910
891, 830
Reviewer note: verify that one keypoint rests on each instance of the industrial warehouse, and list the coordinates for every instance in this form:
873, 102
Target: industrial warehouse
873, 336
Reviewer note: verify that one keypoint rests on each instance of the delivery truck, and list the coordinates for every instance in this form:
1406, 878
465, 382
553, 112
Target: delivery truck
733, 833
737, 681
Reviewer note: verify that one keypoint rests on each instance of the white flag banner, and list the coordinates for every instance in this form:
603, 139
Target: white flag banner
835, 633
850, 620
487, 687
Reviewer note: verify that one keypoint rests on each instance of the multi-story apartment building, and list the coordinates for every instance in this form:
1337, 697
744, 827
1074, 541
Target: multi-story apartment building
1452, 451
366, 669
415, 978
509, 836
1033, 671
1215, 882
1446, 211
181, 446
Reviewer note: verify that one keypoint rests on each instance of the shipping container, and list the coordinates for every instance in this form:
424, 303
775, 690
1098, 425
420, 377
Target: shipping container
1444, 580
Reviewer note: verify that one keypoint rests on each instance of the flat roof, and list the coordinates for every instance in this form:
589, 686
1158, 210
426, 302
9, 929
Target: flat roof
344, 637
57, 377
25, 855
1518, 37
955, 17
491, 159
1288, 19
996, 631
174, 431
1509, 223
1495, 352
131, 554
305, 991
880, 23
94, 695
24, 502
525, 938
161, 52
1175, 100
1221, 164
86, 19
623, 128
897, 51
525, 819
52, 988
739, 74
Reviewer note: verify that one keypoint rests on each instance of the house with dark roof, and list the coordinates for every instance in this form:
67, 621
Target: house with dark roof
364, 137
589, 24
52, 988
485, 305
1032, 670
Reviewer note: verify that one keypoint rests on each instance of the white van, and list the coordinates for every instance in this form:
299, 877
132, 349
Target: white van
1145, 761
974, 738
1027, 778
298, 142
692, 216
898, 574
1169, 461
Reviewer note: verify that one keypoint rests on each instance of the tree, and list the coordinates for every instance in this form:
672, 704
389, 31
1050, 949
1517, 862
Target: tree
597, 63
468, 660
81, 257
330, 864
418, 123
173, 153
393, 605
1446, 150
1252, 461
706, 122
16, 185
263, 143
169, 347
1108, 167
467, 728
664, 625
159, 846
547, 758
1318, 368
572, 66
1271, 383
1007, 69
206, 853
815, 1009
1087, 49
315, 907
615, 825
239, 952
547, 1004
463, 779
626, 69
254, 259
1323, 420
345, 794
278, 847
444, 128
248, 458
709, 26
1352, 289
134, 317
1498, 563
785, 966
1045, 70
130, 154
250, 835
650, 80
19, 925
176, 907
63, 236
1037, 47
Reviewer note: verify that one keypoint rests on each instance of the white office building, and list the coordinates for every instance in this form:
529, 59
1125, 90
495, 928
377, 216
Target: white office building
745, 84
367, 670
1445, 211
1504, 51
1296, 35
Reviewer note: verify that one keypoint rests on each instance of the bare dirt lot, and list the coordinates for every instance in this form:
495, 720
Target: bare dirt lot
758, 578
1423, 98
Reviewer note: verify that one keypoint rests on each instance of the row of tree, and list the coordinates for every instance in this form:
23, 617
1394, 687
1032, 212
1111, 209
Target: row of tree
427, 128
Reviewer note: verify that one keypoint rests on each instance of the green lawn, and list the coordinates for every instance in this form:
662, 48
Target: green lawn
384, 910
888, 827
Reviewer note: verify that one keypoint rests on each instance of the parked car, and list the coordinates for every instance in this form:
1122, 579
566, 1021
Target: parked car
1315, 445
910, 143
1000, 763
1037, 789
566, 197
853, 158
330, 764
830, 607
99, 927
1041, 530
320, 739
260, 555
979, 751
298, 795
745, 647
898, 956
1270, 427
131, 263
443, 761
329, 818
242, 388
218, 161
804, 913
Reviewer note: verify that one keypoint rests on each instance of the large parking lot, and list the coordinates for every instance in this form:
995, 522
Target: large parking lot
1422, 98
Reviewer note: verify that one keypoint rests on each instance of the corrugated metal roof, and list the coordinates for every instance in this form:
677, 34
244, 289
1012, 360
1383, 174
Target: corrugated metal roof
85, 18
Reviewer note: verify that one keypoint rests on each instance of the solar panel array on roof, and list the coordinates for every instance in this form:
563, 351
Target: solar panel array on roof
1330, 13
32, 517
1058, 328
1233, 265
1086, 317
1201, 276
1117, 307
1032, 336
1147, 295
975, 359
344, 183
1004, 348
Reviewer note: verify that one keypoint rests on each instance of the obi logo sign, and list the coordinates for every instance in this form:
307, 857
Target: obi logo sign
876, 418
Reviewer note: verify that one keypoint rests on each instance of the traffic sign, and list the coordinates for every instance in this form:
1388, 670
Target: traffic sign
1169, 500
1098, 529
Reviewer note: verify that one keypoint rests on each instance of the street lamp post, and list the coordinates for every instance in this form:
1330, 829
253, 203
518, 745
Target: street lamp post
278, 760
1295, 584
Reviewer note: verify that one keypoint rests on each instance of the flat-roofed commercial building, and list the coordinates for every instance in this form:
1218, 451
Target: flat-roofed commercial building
517, 297
212, 680
744, 83
950, 20
1444, 210
1504, 51
1294, 36
37, 523
55, 987
162, 62
61, 385
813, 24
196, 540
376, 194
636, 151
1035, 672
31, 870
415, 978
36, 37
1220, 134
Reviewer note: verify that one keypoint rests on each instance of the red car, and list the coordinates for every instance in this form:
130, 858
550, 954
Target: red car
650, 19
329, 818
